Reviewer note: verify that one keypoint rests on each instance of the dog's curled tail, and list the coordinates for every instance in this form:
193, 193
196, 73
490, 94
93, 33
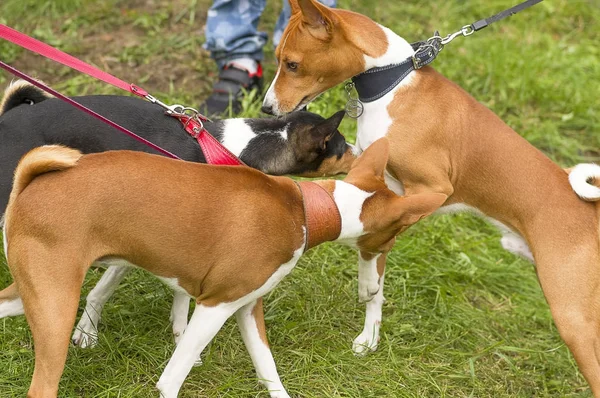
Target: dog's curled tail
36, 162
42, 160
585, 181
21, 92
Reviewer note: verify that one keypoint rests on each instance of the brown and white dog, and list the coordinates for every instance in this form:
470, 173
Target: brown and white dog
249, 232
302, 143
442, 140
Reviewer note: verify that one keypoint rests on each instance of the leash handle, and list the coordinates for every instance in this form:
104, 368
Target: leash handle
36, 46
85, 109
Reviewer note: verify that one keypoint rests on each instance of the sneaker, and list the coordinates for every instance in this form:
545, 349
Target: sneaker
245, 74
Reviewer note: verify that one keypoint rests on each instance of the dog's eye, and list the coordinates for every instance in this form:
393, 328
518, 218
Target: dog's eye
293, 66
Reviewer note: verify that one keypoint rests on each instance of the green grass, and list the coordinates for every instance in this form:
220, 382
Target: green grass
463, 317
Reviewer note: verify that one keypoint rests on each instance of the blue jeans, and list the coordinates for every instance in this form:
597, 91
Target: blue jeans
232, 29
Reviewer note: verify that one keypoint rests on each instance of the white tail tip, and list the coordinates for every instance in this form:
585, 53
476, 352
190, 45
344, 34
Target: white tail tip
580, 179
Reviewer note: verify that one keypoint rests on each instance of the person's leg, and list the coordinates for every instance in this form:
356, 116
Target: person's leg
284, 17
232, 30
236, 45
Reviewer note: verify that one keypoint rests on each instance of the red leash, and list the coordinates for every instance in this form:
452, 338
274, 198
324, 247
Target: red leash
214, 151
85, 109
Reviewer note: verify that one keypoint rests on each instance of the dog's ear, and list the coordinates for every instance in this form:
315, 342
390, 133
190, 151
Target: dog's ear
374, 159
318, 18
294, 6
324, 131
407, 210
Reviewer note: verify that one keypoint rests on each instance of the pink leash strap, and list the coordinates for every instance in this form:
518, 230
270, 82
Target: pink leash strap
48, 51
85, 109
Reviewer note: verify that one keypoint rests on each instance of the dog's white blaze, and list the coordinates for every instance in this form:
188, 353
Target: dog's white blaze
398, 50
204, 325
349, 200
271, 96
579, 177
236, 135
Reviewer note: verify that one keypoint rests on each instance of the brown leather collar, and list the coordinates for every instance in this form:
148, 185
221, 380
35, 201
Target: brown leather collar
321, 214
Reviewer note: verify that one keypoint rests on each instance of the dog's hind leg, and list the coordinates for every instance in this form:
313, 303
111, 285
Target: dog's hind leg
10, 302
251, 321
86, 332
571, 284
50, 286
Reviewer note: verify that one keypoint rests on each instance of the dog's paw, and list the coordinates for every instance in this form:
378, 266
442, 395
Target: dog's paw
277, 392
366, 342
84, 339
367, 290
86, 334
177, 335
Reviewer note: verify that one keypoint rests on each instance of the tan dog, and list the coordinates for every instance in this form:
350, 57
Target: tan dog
224, 235
443, 140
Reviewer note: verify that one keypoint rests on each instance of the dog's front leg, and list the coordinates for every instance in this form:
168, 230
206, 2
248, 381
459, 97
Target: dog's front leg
203, 326
86, 331
370, 289
251, 322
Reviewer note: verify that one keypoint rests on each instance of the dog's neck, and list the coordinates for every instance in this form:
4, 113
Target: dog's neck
386, 72
398, 50
322, 217
333, 212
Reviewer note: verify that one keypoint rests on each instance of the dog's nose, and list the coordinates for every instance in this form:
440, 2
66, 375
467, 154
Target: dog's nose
268, 109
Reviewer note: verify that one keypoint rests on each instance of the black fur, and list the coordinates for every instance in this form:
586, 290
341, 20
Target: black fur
52, 121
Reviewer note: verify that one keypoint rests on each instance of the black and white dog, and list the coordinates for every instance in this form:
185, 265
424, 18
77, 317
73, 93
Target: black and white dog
302, 143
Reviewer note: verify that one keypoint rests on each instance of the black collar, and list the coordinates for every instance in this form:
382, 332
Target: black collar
377, 82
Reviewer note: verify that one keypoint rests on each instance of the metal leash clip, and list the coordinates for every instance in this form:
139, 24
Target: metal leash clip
354, 108
427, 52
181, 112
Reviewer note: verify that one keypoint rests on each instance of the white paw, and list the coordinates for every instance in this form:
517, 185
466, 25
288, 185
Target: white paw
365, 342
166, 390
86, 334
177, 336
367, 290
278, 392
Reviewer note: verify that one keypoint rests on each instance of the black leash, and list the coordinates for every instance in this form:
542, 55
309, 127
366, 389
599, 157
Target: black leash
375, 83
501, 15
428, 50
